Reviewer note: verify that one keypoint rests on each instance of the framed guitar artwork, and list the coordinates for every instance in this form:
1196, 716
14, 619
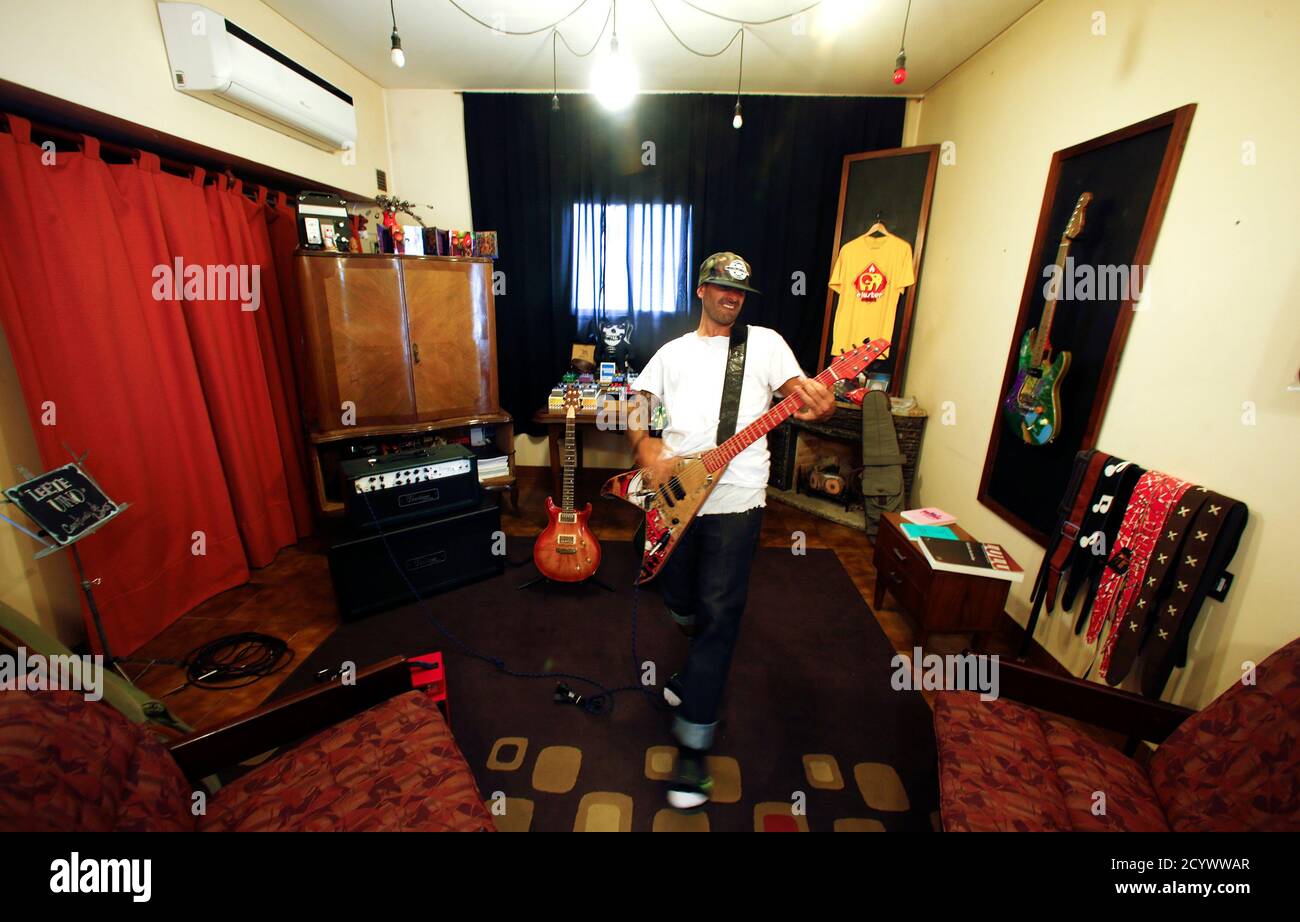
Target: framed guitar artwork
1097, 227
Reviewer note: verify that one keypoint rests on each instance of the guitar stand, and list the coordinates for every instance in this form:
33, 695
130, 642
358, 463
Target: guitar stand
539, 578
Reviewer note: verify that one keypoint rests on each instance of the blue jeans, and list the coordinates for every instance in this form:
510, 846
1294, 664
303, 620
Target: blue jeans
705, 582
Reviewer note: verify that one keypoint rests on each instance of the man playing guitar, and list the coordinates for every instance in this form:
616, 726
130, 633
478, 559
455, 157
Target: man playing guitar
705, 582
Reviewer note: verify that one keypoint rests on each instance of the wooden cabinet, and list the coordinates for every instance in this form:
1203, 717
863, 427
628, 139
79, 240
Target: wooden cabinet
396, 339
395, 349
940, 601
453, 336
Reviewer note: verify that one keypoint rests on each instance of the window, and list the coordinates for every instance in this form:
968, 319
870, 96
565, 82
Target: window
631, 258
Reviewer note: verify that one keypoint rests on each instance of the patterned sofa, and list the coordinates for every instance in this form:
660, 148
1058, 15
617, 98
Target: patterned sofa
71, 765
1233, 766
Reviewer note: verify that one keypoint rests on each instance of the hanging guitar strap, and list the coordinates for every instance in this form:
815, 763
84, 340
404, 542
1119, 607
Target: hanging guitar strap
732, 383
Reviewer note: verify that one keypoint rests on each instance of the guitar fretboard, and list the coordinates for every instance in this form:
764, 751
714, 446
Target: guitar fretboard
715, 459
569, 455
1043, 341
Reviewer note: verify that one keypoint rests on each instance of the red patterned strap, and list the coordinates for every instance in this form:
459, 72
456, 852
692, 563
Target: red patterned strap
1131, 624
1152, 499
1072, 525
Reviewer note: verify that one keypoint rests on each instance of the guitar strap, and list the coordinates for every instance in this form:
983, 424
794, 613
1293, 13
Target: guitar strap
1083, 480
1133, 624
732, 383
1154, 497
1047, 569
1097, 535
1210, 544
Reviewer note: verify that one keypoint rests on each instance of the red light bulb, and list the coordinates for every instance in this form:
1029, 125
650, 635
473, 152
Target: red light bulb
900, 75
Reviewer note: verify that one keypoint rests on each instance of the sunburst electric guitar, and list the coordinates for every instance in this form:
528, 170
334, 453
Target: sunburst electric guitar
670, 507
566, 550
1033, 405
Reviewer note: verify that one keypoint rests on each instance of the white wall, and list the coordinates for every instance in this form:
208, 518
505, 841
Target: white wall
427, 128
1219, 331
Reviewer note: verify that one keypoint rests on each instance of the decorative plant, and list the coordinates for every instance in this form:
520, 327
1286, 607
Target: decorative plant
392, 205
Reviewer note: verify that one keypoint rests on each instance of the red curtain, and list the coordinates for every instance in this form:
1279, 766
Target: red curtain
184, 404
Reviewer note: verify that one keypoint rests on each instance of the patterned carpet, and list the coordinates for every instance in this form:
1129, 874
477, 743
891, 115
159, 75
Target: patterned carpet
812, 736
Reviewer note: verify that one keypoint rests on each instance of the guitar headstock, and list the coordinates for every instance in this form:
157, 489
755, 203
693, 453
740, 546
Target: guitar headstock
1075, 225
851, 363
572, 401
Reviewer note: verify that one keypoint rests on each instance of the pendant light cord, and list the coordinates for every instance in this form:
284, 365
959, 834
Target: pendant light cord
700, 54
741, 75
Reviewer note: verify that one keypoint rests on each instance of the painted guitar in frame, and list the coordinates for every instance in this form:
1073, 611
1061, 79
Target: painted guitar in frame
1033, 405
670, 507
566, 551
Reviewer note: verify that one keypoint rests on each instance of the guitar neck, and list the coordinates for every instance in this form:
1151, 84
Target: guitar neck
1043, 340
570, 461
715, 459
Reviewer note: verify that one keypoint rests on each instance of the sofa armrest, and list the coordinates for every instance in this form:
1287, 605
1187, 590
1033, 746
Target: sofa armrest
1100, 705
293, 718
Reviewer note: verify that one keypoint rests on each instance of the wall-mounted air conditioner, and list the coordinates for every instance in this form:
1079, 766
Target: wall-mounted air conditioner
215, 59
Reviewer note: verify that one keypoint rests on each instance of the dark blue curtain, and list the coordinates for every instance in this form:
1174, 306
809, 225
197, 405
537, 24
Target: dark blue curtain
769, 191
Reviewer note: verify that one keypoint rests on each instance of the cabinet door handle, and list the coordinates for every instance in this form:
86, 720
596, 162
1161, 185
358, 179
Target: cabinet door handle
415, 352
899, 555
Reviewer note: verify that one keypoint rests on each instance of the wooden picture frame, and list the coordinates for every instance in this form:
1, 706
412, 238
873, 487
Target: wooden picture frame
898, 184
1130, 173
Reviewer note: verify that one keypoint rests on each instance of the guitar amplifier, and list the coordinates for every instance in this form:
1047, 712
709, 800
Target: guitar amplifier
409, 485
379, 571
782, 444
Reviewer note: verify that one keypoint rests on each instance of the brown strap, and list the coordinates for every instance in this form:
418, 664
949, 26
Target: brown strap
1134, 623
1073, 522
1193, 571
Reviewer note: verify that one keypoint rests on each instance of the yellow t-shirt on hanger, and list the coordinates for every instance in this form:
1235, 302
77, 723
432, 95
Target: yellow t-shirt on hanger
869, 275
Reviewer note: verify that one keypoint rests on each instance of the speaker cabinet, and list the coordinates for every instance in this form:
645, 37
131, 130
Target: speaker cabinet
380, 571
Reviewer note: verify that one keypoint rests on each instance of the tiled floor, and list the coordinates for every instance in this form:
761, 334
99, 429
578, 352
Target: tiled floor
293, 598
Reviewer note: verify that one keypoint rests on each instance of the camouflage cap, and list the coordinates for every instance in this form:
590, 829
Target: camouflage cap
728, 270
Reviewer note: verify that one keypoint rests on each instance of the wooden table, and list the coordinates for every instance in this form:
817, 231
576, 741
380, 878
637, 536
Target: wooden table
942, 602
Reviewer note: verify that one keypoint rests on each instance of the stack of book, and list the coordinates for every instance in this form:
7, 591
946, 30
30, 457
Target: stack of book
491, 462
971, 557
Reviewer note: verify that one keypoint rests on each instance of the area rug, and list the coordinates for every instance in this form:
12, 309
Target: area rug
812, 736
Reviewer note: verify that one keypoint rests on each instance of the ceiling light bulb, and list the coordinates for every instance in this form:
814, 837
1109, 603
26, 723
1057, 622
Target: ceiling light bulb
614, 79
737, 121
398, 56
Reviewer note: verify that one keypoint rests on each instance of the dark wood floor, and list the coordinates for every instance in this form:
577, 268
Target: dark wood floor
293, 598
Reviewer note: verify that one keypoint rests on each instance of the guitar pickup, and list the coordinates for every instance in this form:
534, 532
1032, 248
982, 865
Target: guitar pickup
568, 518
566, 540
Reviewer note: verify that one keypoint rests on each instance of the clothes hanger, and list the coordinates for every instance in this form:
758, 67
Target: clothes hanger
878, 229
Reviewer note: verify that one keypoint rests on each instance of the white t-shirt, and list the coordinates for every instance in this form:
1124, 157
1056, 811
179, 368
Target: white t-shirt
687, 374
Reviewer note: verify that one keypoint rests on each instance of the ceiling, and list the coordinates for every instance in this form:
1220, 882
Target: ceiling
840, 47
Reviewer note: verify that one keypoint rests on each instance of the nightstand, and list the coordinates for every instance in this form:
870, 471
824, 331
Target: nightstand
940, 602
